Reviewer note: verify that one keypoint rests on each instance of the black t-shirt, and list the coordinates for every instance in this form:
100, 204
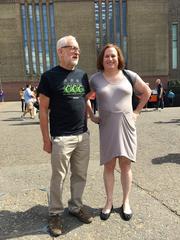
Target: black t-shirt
66, 90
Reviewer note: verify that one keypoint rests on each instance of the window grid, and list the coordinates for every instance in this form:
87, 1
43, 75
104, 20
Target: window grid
174, 31
32, 38
46, 35
25, 38
110, 18
39, 39
53, 34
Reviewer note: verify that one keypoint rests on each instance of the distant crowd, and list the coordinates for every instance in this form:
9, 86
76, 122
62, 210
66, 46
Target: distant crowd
30, 100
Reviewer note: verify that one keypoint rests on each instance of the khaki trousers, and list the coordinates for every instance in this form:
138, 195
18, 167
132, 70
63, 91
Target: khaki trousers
74, 151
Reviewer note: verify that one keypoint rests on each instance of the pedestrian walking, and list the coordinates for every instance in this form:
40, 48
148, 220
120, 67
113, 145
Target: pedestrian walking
21, 95
29, 99
1, 95
160, 96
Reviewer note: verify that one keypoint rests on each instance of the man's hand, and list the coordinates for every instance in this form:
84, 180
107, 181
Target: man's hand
47, 146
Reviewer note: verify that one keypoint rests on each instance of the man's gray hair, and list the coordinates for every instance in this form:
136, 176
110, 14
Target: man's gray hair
62, 42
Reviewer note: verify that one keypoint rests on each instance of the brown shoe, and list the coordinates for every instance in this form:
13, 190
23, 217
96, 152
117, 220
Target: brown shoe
83, 216
55, 225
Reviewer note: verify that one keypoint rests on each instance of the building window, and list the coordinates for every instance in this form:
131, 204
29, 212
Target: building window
39, 38
32, 38
174, 31
25, 38
110, 17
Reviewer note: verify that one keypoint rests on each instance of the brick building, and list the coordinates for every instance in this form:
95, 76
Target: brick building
147, 31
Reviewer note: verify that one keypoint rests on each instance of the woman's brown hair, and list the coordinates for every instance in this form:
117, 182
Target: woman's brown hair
121, 62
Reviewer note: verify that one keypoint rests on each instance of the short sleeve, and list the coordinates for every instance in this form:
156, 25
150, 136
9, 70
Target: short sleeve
44, 87
86, 83
92, 82
135, 78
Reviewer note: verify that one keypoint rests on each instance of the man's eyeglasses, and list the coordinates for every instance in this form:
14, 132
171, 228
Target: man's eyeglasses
72, 48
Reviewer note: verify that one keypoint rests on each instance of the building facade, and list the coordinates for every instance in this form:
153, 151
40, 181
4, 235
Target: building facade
147, 31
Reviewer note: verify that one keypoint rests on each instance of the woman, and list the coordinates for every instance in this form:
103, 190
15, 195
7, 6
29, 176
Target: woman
116, 122
159, 88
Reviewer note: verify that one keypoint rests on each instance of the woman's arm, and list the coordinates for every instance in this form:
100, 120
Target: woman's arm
144, 94
93, 118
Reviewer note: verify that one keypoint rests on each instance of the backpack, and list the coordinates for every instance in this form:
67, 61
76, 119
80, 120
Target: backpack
135, 99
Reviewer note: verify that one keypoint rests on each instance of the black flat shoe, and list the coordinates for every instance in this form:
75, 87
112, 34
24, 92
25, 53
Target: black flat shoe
105, 216
125, 216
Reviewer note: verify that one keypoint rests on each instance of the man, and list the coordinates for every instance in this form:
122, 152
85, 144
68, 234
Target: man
62, 93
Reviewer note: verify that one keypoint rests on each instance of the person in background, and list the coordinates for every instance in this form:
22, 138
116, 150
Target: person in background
62, 92
160, 97
171, 97
21, 94
29, 99
147, 104
117, 122
34, 100
1, 95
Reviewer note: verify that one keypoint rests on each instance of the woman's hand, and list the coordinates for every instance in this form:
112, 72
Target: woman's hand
95, 119
135, 115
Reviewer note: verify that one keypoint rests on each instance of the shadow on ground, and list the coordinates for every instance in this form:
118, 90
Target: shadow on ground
11, 112
170, 158
12, 119
176, 121
34, 222
25, 123
17, 224
20, 122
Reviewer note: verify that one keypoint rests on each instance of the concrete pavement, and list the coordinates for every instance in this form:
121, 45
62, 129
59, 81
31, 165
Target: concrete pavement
155, 198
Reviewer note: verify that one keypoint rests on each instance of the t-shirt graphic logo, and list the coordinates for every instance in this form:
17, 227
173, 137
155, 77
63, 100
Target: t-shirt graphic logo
73, 87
